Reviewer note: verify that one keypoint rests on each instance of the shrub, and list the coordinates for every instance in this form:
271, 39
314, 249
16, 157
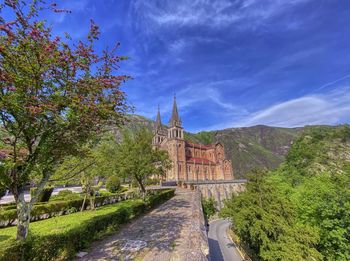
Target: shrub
113, 184
65, 194
44, 196
209, 207
63, 237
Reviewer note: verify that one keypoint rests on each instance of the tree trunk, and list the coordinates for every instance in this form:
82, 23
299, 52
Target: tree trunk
23, 216
82, 206
92, 202
143, 190
141, 185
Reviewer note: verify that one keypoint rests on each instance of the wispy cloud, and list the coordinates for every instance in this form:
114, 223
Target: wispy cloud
333, 82
330, 108
207, 13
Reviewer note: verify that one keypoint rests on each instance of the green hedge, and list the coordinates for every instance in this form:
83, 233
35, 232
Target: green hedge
57, 208
63, 237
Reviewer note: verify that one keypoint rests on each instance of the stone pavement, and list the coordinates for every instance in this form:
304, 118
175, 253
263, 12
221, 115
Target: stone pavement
172, 231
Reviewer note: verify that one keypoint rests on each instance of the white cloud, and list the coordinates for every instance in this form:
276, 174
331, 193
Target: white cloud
192, 96
246, 13
331, 108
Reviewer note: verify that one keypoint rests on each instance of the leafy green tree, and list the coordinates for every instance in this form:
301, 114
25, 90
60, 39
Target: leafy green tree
137, 160
266, 221
209, 208
316, 178
54, 95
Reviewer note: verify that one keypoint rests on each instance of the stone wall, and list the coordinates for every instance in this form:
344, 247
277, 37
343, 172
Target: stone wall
195, 239
219, 190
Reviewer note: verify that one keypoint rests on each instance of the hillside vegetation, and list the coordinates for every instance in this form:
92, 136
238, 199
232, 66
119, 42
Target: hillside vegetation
301, 211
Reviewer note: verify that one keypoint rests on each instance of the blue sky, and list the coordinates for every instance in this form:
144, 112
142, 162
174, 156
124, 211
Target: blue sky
231, 63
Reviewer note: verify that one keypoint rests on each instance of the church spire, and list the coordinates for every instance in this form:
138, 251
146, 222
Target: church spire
175, 119
158, 121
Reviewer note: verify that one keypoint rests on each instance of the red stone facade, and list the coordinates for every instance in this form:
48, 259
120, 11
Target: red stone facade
191, 161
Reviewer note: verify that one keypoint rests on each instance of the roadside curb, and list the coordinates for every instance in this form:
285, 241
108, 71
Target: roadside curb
234, 243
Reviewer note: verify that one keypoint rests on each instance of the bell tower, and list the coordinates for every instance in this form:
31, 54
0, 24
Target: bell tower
176, 146
175, 130
159, 132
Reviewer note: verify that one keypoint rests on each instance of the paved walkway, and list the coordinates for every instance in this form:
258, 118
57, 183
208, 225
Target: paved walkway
152, 237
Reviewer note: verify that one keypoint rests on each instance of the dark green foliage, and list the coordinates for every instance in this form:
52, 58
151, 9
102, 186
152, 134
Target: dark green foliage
113, 184
266, 222
45, 195
209, 209
64, 244
304, 205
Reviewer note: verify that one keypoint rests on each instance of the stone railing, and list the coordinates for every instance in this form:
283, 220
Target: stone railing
196, 245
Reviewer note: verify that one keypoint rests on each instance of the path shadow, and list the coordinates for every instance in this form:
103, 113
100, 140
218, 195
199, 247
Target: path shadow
160, 229
215, 250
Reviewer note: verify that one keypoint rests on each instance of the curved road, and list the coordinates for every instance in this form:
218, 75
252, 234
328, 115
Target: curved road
220, 245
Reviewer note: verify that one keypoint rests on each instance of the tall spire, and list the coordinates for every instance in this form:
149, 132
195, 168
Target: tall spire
175, 119
158, 121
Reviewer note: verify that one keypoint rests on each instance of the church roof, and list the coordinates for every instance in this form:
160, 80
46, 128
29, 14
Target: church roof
175, 118
200, 161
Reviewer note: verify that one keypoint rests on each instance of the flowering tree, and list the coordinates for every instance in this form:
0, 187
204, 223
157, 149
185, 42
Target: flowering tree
54, 96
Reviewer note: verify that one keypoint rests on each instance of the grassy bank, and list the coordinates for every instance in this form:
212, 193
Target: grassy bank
61, 237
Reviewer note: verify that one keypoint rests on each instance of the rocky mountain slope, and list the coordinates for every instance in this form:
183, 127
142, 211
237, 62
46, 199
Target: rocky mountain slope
251, 147
321, 149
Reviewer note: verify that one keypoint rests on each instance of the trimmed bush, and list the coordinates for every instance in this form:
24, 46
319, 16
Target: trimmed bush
44, 196
57, 208
113, 184
65, 194
54, 208
62, 237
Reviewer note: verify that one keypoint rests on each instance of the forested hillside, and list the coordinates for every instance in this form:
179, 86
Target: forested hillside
301, 211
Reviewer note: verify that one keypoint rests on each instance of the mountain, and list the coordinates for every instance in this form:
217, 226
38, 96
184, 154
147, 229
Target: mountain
321, 149
250, 147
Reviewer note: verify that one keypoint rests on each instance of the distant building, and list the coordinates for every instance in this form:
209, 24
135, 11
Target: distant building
191, 161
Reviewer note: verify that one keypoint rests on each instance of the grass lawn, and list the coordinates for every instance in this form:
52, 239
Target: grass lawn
59, 238
61, 224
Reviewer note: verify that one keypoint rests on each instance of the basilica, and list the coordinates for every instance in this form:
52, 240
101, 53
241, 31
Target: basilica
190, 161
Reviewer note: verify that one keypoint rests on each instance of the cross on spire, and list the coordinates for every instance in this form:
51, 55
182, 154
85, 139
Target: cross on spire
175, 120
